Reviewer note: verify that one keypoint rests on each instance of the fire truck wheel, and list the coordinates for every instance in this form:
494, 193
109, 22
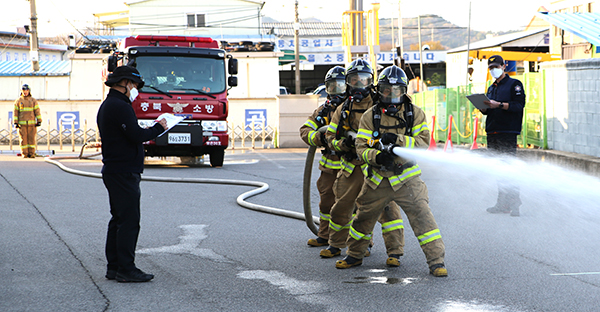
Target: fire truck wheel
216, 158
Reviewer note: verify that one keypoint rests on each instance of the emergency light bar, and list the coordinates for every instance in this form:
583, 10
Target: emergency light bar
174, 38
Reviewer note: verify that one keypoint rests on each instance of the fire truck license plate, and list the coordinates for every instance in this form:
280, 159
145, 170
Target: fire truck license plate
180, 138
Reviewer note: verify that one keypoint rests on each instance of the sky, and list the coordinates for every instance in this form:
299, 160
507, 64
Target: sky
64, 16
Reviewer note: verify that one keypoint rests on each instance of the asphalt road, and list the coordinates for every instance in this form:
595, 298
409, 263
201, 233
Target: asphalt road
210, 254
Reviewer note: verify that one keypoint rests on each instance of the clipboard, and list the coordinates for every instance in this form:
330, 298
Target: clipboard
477, 100
171, 119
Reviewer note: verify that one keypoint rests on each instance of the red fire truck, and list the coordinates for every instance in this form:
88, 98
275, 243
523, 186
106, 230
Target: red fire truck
186, 76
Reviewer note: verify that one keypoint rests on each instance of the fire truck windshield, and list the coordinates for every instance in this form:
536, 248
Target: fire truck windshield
182, 74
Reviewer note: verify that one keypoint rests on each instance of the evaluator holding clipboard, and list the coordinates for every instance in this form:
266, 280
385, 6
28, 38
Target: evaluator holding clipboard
504, 111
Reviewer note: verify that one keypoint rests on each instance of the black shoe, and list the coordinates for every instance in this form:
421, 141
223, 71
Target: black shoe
135, 276
111, 274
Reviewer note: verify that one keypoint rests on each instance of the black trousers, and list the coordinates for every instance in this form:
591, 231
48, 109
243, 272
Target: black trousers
124, 226
509, 193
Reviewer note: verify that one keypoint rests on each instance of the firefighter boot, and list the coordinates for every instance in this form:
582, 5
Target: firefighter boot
330, 252
438, 270
317, 242
393, 261
348, 262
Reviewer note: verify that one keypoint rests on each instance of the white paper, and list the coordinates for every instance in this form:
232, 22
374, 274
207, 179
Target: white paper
171, 119
477, 100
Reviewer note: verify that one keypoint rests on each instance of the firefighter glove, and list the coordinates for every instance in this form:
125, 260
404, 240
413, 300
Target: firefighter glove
323, 139
349, 142
17, 126
385, 159
39, 123
388, 138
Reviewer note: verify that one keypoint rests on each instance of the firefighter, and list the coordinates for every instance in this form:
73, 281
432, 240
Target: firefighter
345, 120
335, 86
393, 122
27, 117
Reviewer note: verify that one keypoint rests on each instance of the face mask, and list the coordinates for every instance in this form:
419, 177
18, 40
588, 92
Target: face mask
496, 72
133, 93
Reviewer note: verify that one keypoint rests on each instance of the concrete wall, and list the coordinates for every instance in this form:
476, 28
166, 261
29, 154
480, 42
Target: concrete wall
573, 105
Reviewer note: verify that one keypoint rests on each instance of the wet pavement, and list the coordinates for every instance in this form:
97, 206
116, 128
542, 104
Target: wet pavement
210, 254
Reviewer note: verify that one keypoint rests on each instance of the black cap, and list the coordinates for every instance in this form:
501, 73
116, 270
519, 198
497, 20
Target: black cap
25, 87
124, 72
495, 60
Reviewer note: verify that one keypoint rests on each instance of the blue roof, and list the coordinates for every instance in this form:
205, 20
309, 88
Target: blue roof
583, 25
47, 68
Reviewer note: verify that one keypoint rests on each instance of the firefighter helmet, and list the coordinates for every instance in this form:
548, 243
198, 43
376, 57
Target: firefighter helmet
392, 85
359, 77
335, 85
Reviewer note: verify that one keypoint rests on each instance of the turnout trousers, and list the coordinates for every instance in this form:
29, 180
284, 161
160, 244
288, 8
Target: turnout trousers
413, 199
27, 135
124, 226
346, 190
325, 188
509, 193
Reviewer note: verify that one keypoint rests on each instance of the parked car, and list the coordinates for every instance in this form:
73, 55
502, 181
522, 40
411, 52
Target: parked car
283, 90
320, 90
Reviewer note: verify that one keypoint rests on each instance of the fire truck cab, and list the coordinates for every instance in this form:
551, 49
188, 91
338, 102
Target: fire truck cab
188, 77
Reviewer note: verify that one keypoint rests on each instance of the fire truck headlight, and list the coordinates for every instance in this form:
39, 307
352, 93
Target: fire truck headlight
214, 125
145, 123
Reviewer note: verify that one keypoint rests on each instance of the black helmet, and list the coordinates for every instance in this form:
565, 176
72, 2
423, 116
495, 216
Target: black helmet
25, 87
124, 72
335, 85
391, 86
359, 77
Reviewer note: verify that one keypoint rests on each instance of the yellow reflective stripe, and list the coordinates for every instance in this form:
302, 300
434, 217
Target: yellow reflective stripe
347, 166
407, 173
27, 122
392, 225
429, 237
410, 141
27, 109
358, 235
364, 134
336, 145
324, 216
332, 127
337, 227
311, 138
419, 128
365, 155
376, 178
311, 124
329, 163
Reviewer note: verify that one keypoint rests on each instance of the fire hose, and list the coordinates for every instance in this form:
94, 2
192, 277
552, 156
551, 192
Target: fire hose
261, 186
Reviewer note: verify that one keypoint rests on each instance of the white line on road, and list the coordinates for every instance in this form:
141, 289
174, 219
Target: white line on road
581, 273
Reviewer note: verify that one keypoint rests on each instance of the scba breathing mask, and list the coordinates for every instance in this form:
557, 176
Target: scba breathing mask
360, 85
392, 97
336, 90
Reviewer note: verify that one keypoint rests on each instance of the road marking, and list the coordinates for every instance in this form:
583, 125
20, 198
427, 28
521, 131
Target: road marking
581, 273
193, 234
306, 291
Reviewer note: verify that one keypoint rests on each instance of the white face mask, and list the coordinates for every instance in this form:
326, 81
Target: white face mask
133, 93
496, 72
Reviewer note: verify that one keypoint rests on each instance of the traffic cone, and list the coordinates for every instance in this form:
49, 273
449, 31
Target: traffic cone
449, 139
476, 126
432, 145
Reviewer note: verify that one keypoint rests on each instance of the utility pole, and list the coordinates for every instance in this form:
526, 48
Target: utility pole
421, 73
34, 46
297, 49
400, 39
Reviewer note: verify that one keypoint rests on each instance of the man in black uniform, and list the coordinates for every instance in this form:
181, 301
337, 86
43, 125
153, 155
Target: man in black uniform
503, 124
123, 158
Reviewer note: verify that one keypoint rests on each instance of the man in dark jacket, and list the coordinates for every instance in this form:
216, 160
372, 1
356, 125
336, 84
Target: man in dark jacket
123, 158
503, 124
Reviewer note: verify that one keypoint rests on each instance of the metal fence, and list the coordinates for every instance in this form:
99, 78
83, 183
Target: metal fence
449, 111
240, 137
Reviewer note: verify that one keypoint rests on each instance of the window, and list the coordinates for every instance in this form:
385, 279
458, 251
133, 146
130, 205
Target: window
24, 57
196, 20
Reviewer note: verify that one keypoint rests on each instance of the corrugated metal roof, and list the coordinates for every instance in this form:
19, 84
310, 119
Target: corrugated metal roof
497, 41
583, 25
306, 29
47, 68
